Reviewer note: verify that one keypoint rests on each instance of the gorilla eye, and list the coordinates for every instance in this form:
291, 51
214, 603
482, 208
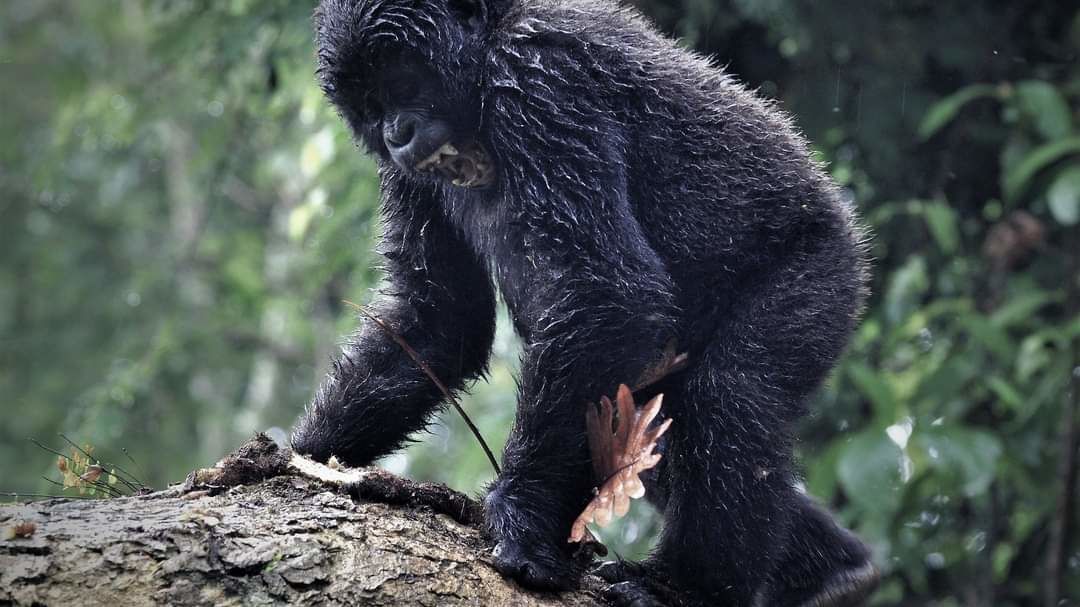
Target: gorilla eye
404, 91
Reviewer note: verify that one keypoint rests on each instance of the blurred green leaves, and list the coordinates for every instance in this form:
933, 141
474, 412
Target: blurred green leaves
946, 110
1063, 196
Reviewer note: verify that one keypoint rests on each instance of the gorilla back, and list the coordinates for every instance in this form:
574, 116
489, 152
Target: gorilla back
623, 193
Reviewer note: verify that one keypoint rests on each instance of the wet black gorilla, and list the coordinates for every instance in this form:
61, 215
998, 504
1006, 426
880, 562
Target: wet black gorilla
622, 193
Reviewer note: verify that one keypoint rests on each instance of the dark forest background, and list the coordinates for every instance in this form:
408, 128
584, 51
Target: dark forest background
182, 216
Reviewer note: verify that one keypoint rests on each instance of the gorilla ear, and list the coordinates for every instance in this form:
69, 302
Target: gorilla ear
478, 14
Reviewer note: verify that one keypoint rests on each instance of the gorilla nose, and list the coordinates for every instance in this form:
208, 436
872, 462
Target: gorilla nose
399, 133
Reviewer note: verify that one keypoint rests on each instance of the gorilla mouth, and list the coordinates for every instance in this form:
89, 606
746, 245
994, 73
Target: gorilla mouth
468, 166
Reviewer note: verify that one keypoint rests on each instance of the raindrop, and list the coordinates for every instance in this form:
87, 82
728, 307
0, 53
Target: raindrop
836, 98
977, 542
907, 468
935, 560
933, 452
215, 108
926, 339
133, 298
789, 47
900, 432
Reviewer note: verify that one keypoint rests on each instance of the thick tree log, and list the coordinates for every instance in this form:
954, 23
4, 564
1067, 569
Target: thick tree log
260, 529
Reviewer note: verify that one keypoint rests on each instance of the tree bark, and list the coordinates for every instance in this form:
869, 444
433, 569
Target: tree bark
261, 528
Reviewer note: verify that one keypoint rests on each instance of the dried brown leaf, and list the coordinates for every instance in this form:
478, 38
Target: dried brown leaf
93, 472
619, 456
19, 530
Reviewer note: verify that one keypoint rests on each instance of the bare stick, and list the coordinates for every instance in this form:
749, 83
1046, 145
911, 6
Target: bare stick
399, 340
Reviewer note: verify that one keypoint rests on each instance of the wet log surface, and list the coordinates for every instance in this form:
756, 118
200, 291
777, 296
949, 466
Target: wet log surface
261, 528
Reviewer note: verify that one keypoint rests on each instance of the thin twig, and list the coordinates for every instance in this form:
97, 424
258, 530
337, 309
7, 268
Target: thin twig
111, 491
137, 465
98, 462
134, 484
400, 341
1063, 518
98, 484
49, 449
132, 481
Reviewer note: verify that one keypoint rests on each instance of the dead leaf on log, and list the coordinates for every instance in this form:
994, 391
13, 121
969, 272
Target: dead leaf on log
619, 456
19, 530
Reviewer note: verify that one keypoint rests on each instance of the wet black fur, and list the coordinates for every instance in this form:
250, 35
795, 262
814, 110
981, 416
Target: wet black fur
642, 195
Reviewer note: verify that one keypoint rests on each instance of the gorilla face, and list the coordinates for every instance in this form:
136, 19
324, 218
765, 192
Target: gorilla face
410, 92
415, 122
413, 129
401, 108
418, 131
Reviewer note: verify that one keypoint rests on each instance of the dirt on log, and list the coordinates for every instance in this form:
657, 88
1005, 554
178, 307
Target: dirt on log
262, 527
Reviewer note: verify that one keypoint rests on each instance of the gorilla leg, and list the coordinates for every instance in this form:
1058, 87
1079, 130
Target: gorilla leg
731, 504
733, 516
822, 563
543, 485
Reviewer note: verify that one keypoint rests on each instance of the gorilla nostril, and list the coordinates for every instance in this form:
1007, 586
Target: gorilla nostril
399, 133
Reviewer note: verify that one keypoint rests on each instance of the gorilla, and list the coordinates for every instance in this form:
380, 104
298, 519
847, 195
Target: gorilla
621, 194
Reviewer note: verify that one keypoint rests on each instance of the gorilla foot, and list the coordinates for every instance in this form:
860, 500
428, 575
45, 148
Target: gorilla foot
630, 594
536, 565
631, 585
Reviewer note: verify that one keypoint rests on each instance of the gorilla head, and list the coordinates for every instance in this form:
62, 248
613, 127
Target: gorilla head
407, 77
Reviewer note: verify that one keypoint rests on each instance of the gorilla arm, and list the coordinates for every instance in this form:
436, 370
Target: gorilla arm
438, 297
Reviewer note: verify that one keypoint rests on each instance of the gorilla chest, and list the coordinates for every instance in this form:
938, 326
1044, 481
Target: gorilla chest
503, 244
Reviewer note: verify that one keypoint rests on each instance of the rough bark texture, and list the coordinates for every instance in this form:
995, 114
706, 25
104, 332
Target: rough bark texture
258, 530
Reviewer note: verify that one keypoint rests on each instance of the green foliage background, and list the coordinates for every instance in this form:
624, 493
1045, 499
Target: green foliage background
182, 217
